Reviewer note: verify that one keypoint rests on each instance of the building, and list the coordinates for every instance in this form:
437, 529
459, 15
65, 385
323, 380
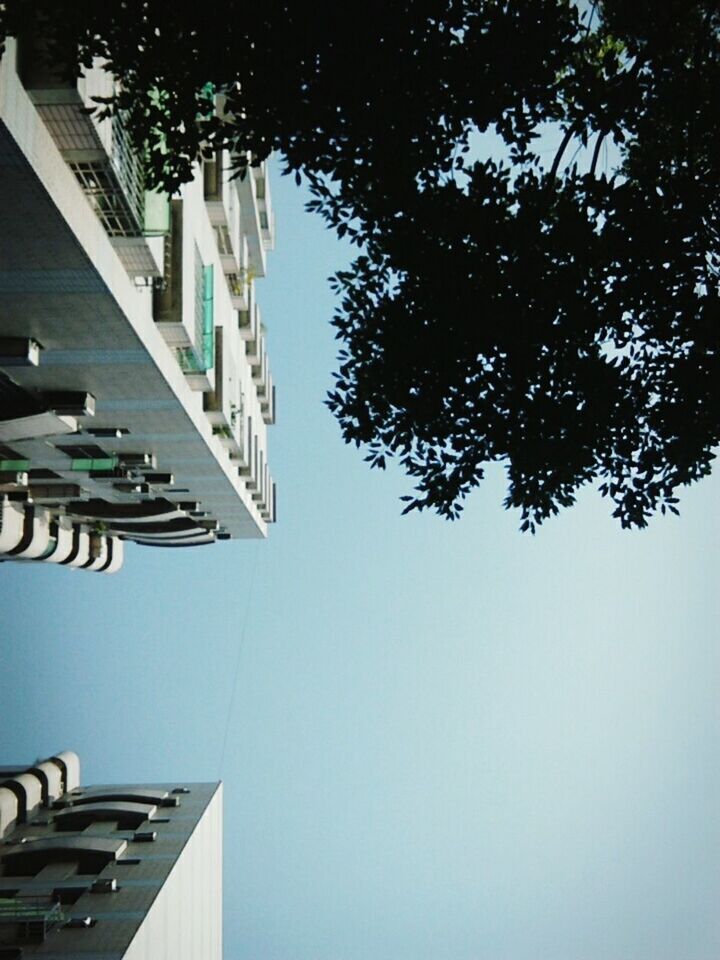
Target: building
130, 871
135, 392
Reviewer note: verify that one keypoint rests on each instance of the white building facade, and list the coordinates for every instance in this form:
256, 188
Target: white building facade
135, 392
131, 871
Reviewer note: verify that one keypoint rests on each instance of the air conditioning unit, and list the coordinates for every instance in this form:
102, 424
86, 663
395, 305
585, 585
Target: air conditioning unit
80, 923
145, 836
159, 479
105, 885
19, 352
137, 460
72, 403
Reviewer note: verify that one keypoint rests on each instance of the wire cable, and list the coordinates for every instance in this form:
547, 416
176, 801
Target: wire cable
241, 644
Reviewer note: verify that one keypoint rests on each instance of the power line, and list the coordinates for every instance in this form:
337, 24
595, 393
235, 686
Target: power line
241, 643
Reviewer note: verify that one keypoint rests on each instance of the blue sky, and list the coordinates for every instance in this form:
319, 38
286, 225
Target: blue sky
446, 741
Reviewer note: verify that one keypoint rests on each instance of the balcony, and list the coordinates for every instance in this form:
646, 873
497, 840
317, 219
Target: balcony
194, 368
100, 154
167, 293
257, 236
228, 257
231, 435
266, 215
224, 405
249, 322
239, 288
198, 359
267, 510
216, 191
26, 919
261, 371
187, 328
267, 402
223, 205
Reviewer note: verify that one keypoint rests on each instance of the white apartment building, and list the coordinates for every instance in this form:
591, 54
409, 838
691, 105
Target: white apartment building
108, 872
135, 392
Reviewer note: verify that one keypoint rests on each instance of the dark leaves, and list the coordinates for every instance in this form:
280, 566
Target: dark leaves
560, 318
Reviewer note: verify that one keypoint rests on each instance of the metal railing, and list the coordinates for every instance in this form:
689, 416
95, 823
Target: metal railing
33, 916
129, 169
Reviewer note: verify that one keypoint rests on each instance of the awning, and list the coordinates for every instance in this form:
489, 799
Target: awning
64, 542
82, 555
116, 553
186, 542
36, 535
100, 560
117, 514
178, 527
11, 524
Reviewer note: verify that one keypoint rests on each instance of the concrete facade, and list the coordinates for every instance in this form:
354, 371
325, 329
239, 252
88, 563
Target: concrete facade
131, 871
135, 392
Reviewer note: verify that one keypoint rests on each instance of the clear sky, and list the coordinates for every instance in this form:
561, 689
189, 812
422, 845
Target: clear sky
447, 741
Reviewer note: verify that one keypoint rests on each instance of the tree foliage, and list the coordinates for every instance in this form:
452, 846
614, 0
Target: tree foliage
322, 82
558, 316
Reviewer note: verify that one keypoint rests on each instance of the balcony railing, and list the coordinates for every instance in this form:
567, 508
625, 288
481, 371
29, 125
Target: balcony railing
32, 916
99, 153
113, 182
204, 345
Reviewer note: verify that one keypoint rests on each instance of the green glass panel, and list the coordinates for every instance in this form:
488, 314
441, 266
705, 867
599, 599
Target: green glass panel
157, 214
11, 465
188, 360
50, 549
209, 316
100, 463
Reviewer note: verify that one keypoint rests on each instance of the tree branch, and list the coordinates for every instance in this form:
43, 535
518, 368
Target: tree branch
590, 18
596, 151
561, 150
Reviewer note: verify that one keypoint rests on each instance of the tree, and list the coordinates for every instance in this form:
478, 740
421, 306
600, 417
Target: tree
561, 320
321, 82
559, 317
